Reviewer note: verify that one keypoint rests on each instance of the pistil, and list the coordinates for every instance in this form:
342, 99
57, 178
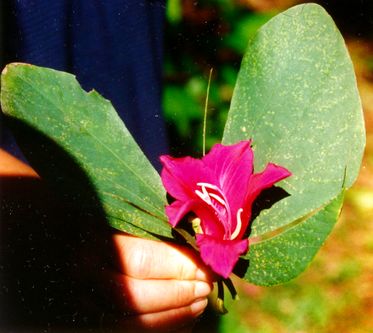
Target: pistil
238, 225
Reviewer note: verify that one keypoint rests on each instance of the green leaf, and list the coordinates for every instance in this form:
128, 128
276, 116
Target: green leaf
76, 140
285, 255
296, 97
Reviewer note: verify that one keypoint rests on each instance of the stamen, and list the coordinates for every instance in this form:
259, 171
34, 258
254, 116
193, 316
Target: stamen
196, 225
224, 215
238, 226
217, 198
203, 195
206, 196
208, 185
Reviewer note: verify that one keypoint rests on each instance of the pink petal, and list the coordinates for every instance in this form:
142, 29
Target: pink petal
259, 182
267, 178
233, 167
181, 175
221, 255
176, 211
209, 221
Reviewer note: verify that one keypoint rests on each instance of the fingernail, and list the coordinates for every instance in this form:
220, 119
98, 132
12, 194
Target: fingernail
202, 289
197, 307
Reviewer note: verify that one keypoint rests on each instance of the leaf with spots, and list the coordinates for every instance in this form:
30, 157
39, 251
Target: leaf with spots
296, 97
77, 142
283, 254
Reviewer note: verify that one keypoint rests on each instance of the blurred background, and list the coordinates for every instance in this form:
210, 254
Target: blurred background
336, 293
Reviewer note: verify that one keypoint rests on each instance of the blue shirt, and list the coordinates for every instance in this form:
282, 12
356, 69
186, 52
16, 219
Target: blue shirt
112, 46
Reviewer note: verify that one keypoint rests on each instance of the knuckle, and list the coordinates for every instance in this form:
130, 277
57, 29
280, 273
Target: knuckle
139, 262
182, 271
184, 292
185, 268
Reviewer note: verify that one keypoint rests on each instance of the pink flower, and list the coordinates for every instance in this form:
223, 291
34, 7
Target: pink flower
219, 189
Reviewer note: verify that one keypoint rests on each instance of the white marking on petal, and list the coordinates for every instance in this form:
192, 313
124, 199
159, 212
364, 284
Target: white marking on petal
238, 226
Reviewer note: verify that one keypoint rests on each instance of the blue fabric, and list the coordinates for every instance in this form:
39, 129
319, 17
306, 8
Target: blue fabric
112, 46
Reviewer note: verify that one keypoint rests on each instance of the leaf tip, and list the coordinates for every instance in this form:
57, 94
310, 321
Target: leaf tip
4, 71
12, 65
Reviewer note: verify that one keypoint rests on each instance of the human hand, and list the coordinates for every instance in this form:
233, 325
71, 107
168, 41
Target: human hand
154, 286
160, 286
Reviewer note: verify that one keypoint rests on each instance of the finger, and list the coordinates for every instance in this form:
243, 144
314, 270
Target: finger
11, 166
148, 296
165, 321
147, 259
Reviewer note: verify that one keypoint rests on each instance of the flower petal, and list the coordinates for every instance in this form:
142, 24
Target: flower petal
181, 175
221, 255
176, 211
233, 167
209, 221
267, 178
259, 182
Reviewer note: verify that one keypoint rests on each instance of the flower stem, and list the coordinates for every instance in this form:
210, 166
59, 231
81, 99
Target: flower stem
220, 299
188, 238
228, 282
205, 115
